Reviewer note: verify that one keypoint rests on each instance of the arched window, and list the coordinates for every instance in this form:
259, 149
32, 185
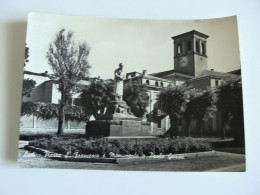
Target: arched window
147, 82
156, 83
162, 84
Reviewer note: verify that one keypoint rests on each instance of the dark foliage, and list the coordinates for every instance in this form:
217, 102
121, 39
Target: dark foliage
198, 105
28, 84
26, 55
97, 97
136, 97
47, 111
173, 101
230, 104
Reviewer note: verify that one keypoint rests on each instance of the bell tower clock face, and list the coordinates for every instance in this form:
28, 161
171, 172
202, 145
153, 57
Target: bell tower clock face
184, 61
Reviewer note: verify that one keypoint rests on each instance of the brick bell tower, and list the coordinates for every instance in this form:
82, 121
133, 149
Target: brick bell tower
190, 53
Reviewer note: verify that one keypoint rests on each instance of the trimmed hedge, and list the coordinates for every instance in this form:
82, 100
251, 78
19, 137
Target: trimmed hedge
102, 146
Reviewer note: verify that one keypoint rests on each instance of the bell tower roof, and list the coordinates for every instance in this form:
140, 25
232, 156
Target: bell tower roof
193, 32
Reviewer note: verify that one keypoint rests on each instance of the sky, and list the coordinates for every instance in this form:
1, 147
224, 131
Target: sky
138, 44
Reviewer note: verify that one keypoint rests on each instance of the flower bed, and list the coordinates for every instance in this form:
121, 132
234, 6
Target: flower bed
104, 147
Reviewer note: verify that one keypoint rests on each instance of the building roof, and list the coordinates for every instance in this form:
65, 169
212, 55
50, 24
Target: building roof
133, 72
156, 78
149, 76
173, 73
214, 75
191, 33
237, 72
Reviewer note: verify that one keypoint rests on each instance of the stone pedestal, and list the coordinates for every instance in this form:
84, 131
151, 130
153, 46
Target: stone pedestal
118, 121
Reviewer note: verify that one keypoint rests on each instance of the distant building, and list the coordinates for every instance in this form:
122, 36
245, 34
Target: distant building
190, 68
47, 92
210, 78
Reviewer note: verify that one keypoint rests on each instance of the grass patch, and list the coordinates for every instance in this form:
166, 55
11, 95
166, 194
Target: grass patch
71, 145
232, 143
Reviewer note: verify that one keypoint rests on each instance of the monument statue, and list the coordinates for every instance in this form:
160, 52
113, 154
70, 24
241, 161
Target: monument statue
118, 119
119, 83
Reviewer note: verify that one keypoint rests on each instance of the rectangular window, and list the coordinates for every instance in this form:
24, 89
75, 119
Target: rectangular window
197, 46
203, 49
216, 82
179, 48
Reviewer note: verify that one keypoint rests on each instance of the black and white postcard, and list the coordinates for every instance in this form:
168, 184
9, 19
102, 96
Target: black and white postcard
132, 95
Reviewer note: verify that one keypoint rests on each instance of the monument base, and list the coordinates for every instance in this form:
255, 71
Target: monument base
118, 121
118, 128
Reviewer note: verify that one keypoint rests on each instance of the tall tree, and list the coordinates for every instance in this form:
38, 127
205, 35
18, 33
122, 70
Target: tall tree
69, 65
189, 110
230, 104
173, 101
136, 97
199, 104
202, 104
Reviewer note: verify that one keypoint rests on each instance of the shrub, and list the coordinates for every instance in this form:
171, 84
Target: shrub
40, 143
148, 149
103, 147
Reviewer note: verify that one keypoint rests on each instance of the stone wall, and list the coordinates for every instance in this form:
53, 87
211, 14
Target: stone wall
31, 122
